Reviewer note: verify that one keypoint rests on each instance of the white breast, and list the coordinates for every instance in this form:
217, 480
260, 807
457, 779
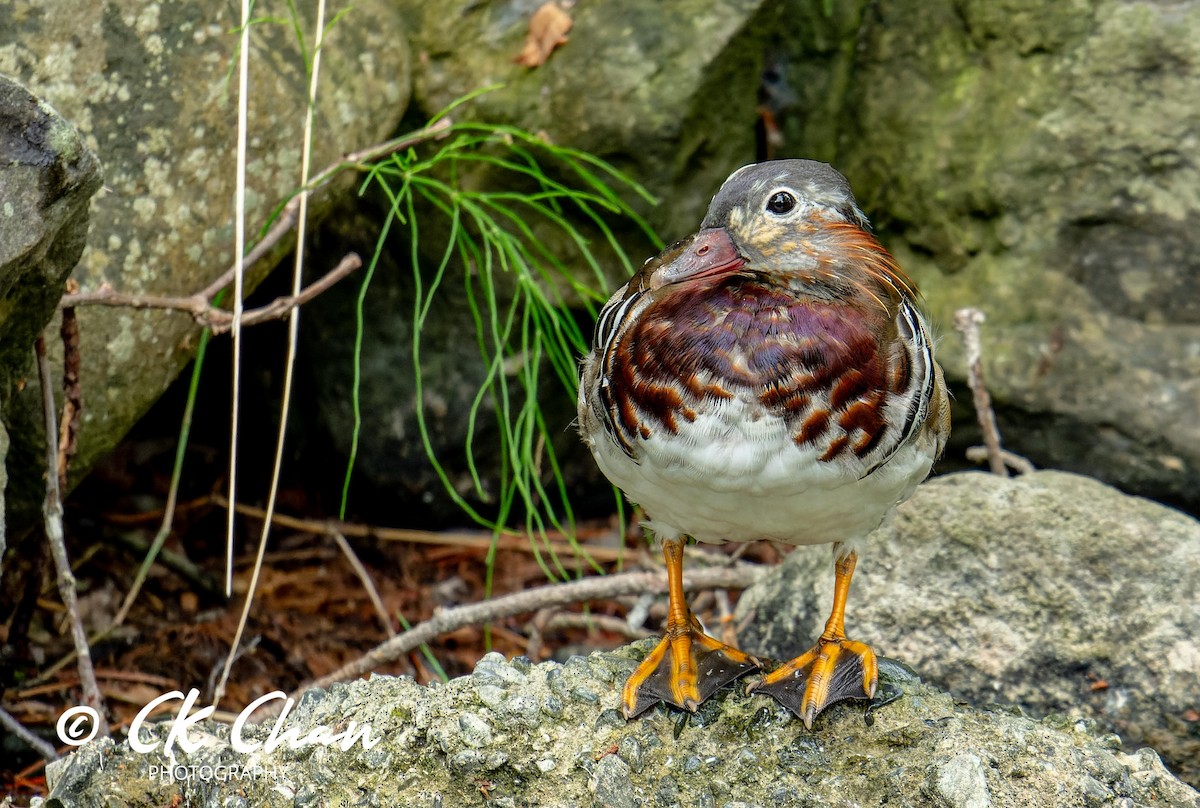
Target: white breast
735, 474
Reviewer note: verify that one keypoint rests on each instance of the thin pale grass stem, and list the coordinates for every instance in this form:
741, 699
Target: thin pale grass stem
239, 249
289, 362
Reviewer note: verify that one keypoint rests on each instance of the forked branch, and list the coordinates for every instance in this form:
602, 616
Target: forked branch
200, 305
967, 322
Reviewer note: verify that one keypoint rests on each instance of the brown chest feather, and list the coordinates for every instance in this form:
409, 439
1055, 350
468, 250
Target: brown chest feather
823, 366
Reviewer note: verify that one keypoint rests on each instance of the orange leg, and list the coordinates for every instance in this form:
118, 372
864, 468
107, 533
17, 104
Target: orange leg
687, 666
834, 669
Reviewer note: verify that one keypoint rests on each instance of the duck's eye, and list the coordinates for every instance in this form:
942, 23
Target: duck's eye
780, 203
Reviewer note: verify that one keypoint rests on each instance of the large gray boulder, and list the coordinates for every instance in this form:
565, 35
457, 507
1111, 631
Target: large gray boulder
550, 735
151, 90
47, 176
1052, 592
1039, 160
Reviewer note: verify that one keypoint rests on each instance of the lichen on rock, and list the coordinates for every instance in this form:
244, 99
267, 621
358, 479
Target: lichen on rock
149, 87
1051, 591
552, 735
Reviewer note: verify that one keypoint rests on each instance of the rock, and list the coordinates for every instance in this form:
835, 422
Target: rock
1050, 591
666, 92
149, 87
1036, 160
962, 781
737, 750
47, 176
611, 783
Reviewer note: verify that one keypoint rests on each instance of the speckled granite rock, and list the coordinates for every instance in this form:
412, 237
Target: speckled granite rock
148, 85
551, 735
1050, 591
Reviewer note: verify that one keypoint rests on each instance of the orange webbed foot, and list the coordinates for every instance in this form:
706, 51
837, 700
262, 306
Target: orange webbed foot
835, 669
684, 670
687, 666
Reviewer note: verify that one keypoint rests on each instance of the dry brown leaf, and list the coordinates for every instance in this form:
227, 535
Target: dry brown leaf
548, 29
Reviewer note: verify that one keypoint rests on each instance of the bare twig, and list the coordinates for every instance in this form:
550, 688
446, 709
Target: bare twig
208, 315
967, 322
531, 600
181, 565
570, 620
54, 535
535, 628
17, 728
199, 305
281, 306
548, 620
72, 393
635, 615
364, 575
331, 527
102, 674
290, 214
560, 621
1021, 465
